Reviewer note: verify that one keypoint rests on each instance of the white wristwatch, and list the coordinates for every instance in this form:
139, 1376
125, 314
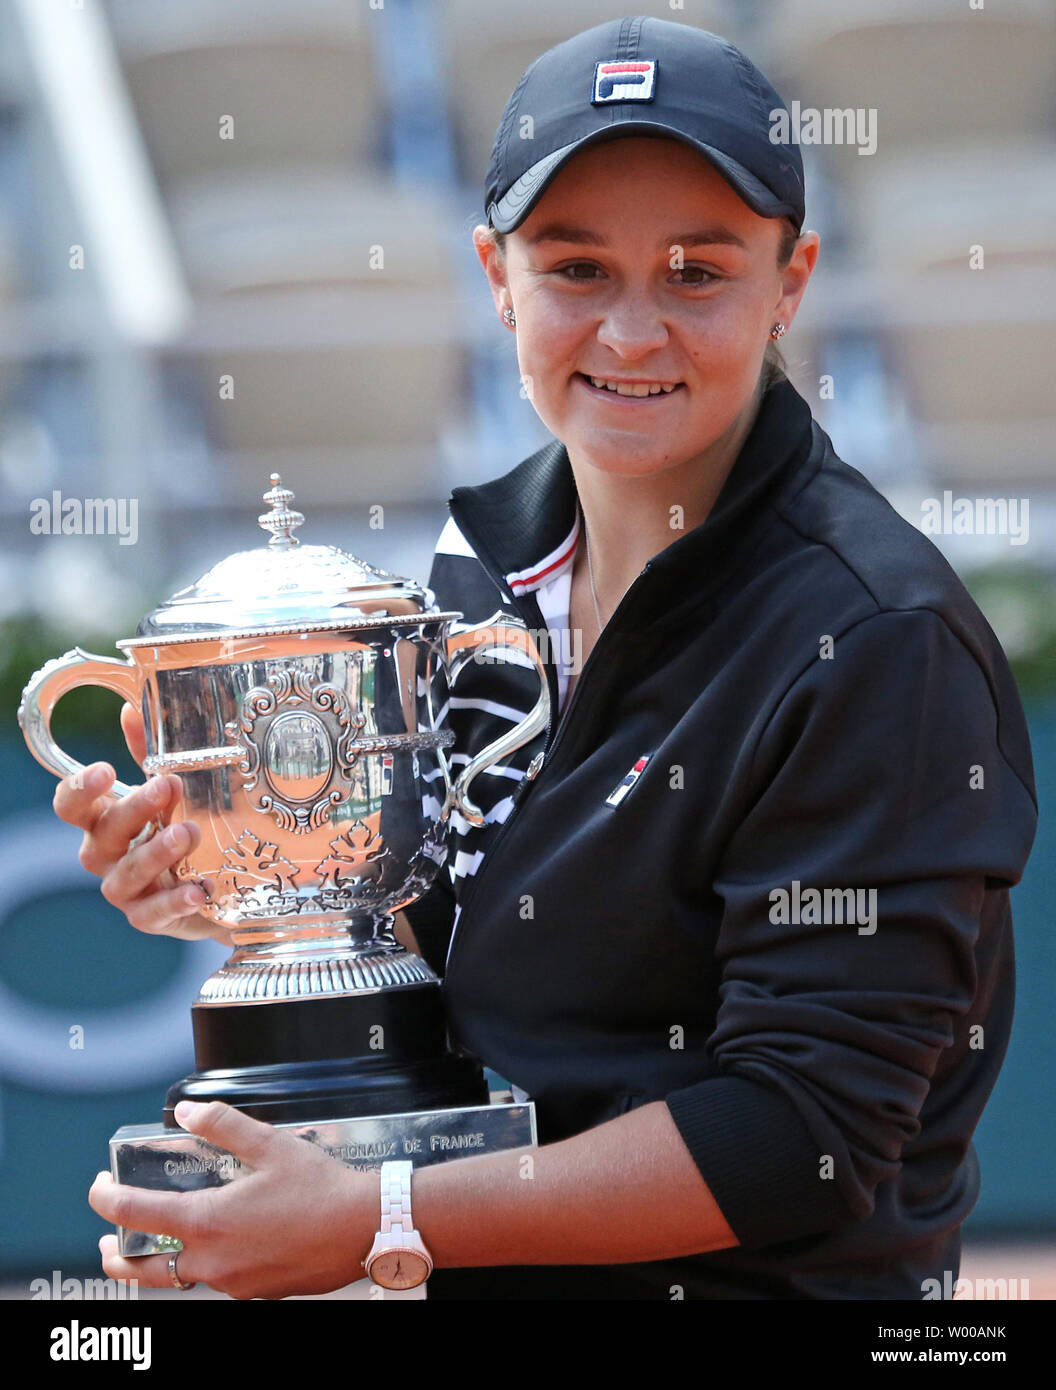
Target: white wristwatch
398, 1258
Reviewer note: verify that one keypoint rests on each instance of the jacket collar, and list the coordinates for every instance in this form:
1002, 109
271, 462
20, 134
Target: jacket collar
524, 525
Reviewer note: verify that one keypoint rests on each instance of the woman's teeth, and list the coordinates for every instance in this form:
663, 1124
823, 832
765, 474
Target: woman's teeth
622, 389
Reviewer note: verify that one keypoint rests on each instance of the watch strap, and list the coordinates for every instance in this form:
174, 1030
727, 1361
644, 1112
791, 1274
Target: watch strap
396, 1218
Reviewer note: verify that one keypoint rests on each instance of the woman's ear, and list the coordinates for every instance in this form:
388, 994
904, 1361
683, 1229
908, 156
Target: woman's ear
795, 276
494, 265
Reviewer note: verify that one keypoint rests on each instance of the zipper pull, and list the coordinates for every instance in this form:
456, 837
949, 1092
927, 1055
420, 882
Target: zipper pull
521, 789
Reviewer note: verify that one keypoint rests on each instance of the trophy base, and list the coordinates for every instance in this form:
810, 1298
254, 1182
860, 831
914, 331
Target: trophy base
167, 1160
303, 1091
372, 1052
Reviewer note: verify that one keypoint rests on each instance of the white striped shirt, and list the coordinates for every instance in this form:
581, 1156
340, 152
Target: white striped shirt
551, 581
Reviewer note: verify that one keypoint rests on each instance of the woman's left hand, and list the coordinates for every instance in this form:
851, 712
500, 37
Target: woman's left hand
299, 1222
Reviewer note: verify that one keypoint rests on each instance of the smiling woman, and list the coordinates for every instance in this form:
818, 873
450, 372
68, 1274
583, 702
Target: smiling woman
646, 350
788, 698
781, 674
774, 365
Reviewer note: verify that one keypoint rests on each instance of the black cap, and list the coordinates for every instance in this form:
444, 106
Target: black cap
643, 76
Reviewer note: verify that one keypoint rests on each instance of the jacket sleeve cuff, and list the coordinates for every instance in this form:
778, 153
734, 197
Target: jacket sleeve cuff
759, 1160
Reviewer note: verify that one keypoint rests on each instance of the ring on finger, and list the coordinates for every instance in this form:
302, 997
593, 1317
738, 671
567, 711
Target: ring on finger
174, 1275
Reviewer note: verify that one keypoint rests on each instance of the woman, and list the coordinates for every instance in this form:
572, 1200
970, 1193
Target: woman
744, 936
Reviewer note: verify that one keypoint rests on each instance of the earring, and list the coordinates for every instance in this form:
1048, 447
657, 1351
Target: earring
510, 317
778, 331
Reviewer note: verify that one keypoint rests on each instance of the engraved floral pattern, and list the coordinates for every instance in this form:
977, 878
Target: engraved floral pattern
257, 874
349, 852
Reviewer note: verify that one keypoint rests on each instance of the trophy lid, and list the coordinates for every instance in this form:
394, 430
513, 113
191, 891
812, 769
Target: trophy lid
284, 586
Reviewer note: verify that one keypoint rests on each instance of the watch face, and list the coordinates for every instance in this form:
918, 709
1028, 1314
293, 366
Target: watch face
399, 1269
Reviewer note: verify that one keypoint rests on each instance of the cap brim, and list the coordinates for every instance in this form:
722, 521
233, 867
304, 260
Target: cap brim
510, 211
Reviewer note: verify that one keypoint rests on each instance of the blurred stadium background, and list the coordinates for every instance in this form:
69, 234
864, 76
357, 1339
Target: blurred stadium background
359, 126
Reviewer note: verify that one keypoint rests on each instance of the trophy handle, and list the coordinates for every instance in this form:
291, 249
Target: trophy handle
495, 633
46, 688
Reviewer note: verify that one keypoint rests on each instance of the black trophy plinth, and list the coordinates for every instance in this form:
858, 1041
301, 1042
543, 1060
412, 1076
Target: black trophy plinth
327, 1057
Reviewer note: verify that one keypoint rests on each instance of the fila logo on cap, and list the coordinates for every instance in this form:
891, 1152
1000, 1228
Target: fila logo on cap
623, 81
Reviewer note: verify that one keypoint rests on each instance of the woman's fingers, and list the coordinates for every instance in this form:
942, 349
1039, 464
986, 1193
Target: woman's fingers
171, 912
79, 800
134, 876
139, 869
111, 826
82, 800
135, 733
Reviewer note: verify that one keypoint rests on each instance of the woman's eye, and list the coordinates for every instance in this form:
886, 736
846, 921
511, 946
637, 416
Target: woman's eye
696, 274
578, 265
698, 270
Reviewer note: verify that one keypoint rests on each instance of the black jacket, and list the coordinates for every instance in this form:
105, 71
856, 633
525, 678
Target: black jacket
822, 706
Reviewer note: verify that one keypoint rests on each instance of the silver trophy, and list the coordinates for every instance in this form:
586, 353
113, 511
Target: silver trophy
297, 692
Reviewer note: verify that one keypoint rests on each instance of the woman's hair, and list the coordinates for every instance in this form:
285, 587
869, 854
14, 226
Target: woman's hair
774, 365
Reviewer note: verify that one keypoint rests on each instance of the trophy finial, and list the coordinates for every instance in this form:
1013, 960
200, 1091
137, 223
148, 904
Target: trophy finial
281, 521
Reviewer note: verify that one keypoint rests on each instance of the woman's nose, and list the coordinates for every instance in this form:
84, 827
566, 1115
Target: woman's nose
632, 327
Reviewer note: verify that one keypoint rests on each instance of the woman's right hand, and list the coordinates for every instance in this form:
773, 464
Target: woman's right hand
139, 881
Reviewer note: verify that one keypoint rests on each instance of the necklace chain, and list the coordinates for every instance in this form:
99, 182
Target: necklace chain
590, 569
